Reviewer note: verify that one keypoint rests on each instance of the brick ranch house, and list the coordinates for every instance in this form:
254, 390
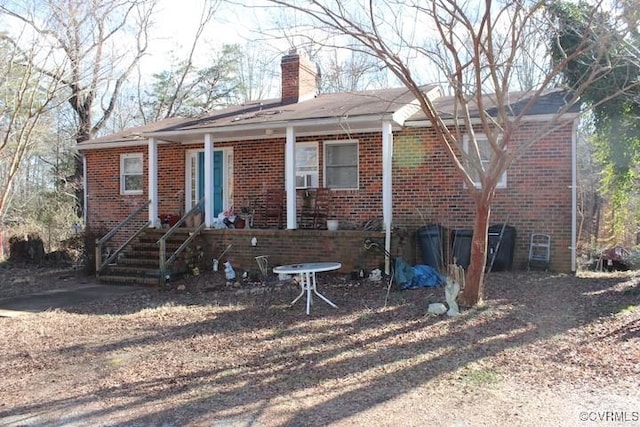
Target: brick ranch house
374, 150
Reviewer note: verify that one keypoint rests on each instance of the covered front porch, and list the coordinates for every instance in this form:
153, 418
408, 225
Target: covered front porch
156, 255
230, 180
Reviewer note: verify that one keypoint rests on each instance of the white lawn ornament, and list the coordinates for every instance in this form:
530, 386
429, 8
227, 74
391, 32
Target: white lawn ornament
229, 273
451, 290
436, 308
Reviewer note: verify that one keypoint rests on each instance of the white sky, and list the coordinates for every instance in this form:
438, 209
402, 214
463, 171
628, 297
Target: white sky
177, 22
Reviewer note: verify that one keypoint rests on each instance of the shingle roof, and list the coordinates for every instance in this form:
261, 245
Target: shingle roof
372, 105
549, 102
345, 104
137, 132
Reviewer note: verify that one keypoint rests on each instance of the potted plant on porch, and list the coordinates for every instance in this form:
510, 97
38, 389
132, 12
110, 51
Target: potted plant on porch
333, 224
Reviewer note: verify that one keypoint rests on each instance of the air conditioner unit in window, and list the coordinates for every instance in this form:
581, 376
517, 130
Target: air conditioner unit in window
304, 181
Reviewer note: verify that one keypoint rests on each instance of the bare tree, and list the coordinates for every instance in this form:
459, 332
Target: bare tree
97, 44
258, 72
478, 49
350, 71
26, 98
174, 86
189, 90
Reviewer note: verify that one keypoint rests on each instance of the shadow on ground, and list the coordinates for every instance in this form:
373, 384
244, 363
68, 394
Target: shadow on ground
224, 356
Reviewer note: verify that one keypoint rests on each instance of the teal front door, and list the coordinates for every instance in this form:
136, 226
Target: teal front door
217, 180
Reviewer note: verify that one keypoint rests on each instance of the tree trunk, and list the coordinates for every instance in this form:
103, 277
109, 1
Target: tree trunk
77, 179
474, 282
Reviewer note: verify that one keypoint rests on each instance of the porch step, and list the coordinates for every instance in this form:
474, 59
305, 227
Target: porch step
151, 243
133, 270
129, 280
155, 234
139, 262
141, 254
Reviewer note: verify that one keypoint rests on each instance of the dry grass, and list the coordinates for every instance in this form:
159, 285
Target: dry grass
543, 349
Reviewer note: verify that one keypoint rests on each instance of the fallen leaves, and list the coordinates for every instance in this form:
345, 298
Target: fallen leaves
213, 349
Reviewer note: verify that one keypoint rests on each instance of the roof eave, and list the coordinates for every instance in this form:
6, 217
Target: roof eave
271, 130
408, 110
281, 124
84, 146
476, 120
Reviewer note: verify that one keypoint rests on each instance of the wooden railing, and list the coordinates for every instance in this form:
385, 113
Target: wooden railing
162, 242
100, 264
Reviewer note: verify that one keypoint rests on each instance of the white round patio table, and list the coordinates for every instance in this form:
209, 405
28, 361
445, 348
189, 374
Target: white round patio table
307, 273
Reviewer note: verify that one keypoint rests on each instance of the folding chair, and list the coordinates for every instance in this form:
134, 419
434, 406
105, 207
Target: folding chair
539, 251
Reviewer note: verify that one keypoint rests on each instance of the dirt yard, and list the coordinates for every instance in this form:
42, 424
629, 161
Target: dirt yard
544, 350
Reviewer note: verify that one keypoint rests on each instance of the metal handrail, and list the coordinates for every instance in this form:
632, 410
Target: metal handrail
162, 241
115, 254
104, 239
184, 245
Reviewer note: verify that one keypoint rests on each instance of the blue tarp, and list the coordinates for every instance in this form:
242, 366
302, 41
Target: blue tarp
403, 273
419, 276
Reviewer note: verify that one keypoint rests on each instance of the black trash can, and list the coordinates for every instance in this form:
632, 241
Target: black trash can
461, 247
431, 242
504, 255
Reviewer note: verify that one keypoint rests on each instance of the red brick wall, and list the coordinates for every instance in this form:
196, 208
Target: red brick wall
537, 198
427, 188
106, 207
296, 246
259, 166
298, 78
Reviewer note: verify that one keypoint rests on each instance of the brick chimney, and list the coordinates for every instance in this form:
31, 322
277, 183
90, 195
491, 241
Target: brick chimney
299, 78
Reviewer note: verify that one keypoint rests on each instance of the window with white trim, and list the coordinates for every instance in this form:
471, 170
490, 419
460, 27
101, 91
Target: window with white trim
485, 158
306, 165
131, 173
341, 164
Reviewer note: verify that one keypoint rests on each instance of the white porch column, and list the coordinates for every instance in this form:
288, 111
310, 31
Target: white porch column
153, 182
208, 180
387, 188
290, 178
